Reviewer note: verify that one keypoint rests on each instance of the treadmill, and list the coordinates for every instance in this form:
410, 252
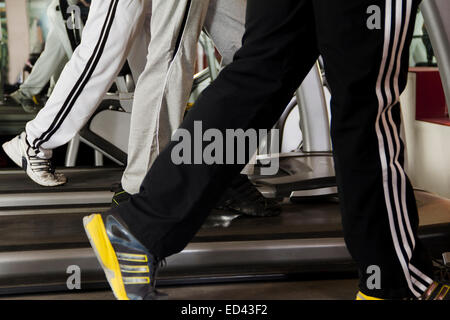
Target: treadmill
12, 118
41, 235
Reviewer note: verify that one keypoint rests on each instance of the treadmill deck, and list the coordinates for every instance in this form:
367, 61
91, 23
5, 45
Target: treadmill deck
39, 242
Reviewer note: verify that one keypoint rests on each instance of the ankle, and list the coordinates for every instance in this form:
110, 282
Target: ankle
42, 153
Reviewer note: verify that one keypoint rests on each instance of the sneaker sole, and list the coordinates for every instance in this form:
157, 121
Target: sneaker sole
103, 249
361, 296
11, 152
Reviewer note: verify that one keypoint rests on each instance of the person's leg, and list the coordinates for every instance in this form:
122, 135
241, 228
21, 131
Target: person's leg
367, 70
56, 18
107, 37
174, 200
163, 89
47, 64
137, 58
225, 23
106, 41
279, 50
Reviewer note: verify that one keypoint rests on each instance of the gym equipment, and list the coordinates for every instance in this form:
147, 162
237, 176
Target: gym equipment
41, 237
309, 171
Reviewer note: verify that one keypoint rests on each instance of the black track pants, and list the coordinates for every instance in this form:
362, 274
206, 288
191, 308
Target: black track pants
364, 44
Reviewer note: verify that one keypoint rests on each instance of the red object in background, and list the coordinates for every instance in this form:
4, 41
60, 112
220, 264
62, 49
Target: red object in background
431, 105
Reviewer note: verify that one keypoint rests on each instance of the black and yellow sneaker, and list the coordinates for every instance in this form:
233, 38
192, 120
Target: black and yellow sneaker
129, 268
119, 196
437, 291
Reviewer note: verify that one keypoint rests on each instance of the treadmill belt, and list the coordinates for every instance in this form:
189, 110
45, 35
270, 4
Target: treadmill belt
13, 118
37, 245
42, 227
45, 228
303, 220
88, 179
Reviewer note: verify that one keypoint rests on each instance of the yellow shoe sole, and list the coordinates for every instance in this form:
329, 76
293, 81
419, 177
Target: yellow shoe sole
362, 296
96, 232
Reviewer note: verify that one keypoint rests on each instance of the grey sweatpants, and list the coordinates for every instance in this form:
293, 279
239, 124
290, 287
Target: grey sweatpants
164, 87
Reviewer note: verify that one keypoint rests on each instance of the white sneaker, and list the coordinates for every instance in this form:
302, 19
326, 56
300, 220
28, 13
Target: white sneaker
38, 169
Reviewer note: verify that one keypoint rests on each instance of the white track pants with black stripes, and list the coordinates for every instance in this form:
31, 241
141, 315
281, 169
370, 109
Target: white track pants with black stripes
115, 31
163, 90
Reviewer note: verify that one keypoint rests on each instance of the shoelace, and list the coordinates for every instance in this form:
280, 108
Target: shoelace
40, 165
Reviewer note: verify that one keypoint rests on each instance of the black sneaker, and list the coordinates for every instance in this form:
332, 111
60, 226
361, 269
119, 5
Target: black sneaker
244, 198
120, 195
129, 268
